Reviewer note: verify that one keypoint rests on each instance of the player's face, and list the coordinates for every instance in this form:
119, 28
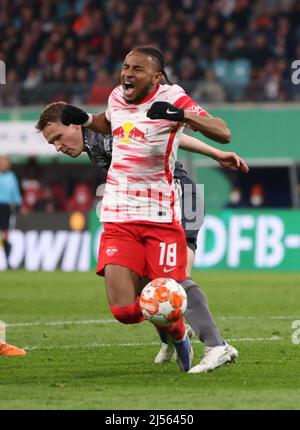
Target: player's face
66, 139
139, 76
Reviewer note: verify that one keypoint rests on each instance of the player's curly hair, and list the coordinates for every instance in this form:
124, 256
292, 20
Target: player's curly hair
51, 113
157, 55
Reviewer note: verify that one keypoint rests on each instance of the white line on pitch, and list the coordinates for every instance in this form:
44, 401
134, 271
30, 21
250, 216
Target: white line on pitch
111, 321
54, 323
135, 344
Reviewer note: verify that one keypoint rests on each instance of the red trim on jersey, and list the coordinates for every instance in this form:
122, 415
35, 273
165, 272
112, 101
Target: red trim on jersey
118, 166
169, 174
187, 103
148, 97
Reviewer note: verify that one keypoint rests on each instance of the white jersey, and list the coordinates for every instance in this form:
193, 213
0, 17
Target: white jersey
140, 183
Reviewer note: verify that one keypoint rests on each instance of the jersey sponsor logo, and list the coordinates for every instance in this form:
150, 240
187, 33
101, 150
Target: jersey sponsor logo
168, 270
111, 250
128, 132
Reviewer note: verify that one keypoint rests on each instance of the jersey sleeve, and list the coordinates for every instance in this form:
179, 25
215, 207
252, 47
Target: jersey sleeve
187, 103
181, 100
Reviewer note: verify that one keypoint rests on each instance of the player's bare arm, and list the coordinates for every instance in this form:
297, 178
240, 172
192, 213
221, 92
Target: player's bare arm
210, 126
229, 160
75, 115
100, 124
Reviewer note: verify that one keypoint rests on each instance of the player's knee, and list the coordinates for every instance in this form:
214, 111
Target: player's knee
130, 314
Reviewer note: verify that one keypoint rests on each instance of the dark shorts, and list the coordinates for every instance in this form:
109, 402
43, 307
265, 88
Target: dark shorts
192, 208
5, 213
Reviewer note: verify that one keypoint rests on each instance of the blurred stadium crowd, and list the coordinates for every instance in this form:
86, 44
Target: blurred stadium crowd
49, 190
219, 50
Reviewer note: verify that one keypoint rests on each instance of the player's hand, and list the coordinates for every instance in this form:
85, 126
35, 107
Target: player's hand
232, 161
164, 110
74, 115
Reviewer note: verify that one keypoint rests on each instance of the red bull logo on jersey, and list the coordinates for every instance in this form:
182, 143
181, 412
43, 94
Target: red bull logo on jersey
128, 132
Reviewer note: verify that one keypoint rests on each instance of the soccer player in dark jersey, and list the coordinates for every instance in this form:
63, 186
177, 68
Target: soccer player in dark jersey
73, 140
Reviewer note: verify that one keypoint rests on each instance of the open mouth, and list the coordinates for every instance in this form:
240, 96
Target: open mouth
128, 88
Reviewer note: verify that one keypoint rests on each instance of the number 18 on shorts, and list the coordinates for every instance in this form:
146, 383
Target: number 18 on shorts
151, 250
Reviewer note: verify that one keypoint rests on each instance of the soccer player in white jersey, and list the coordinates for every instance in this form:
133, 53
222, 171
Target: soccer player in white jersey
72, 140
142, 235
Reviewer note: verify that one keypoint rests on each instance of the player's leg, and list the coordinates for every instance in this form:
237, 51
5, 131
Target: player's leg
6, 244
198, 314
165, 251
121, 289
4, 228
217, 352
121, 261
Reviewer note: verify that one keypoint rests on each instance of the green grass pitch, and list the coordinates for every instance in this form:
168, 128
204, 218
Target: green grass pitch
79, 358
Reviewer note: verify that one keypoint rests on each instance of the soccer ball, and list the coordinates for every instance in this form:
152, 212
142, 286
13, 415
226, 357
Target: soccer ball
163, 301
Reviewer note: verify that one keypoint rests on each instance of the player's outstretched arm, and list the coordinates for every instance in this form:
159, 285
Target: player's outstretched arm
74, 115
229, 160
210, 126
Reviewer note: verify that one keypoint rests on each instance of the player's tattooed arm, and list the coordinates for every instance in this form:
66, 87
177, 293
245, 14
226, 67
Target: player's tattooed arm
74, 115
228, 160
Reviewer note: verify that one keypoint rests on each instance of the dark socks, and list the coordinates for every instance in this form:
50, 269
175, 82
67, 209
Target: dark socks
199, 316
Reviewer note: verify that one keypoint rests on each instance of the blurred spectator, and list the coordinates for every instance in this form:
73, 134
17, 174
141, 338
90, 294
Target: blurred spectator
31, 186
236, 199
81, 199
101, 89
257, 196
209, 89
81, 90
9, 93
46, 201
10, 198
59, 195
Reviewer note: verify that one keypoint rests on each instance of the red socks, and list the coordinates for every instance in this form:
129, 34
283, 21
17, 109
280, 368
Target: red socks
130, 314
176, 330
